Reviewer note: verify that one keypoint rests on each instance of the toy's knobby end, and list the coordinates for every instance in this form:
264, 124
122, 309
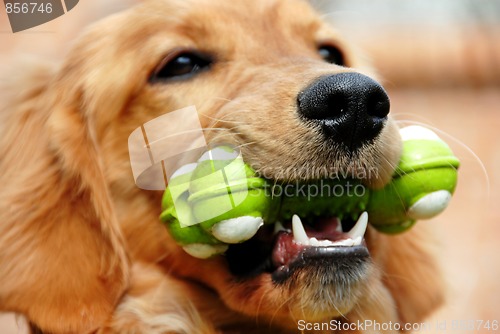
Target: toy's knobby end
430, 205
204, 251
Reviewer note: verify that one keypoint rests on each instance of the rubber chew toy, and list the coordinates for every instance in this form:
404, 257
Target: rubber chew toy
220, 200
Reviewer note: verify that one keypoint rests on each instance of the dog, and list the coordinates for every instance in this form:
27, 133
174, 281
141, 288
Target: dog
83, 250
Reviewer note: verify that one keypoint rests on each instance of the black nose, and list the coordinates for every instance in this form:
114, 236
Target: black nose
350, 108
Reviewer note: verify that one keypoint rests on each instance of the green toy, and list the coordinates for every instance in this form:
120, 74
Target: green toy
220, 200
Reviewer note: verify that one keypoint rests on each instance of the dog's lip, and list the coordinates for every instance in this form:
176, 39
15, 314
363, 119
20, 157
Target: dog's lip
311, 255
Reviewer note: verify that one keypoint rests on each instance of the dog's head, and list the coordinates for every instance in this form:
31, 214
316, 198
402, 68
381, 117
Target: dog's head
270, 77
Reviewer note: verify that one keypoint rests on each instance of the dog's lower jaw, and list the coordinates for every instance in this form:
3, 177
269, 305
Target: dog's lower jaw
327, 292
311, 294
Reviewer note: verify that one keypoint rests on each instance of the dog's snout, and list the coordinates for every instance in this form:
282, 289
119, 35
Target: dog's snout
351, 108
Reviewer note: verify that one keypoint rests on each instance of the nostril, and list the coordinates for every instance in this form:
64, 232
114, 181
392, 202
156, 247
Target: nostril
321, 103
349, 108
378, 104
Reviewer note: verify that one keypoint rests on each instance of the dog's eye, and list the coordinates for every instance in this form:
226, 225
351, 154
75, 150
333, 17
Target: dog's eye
331, 54
181, 66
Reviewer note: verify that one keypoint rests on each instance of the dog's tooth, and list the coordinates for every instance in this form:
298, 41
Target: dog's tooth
314, 242
345, 243
204, 251
320, 243
326, 243
339, 226
278, 227
357, 241
299, 234
236, 230
360, 228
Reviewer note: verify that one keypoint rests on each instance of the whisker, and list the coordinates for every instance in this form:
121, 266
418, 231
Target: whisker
227, 134
247, 144
214, 129
286, 301
259, 304
336, 13
221, 98
222, 120
396, 116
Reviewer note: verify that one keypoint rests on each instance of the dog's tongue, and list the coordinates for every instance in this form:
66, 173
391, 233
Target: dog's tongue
286, 248
324, 228
289, 244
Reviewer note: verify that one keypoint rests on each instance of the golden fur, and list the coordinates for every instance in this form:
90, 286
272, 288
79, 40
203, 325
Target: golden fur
82, 249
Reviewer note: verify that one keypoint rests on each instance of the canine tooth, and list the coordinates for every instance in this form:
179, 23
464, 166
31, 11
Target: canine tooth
235, 230
357, 241
339, 226
299, 234
359, 229
204, 251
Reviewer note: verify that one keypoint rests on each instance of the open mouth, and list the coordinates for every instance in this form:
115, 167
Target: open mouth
282, 248
262, 227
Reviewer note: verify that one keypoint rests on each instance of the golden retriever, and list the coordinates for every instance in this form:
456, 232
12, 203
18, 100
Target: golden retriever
82, 248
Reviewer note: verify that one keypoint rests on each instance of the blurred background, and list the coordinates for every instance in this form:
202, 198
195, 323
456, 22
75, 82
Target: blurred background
440, 62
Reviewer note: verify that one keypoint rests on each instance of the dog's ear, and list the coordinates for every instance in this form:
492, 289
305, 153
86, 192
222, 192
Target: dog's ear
63, 261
